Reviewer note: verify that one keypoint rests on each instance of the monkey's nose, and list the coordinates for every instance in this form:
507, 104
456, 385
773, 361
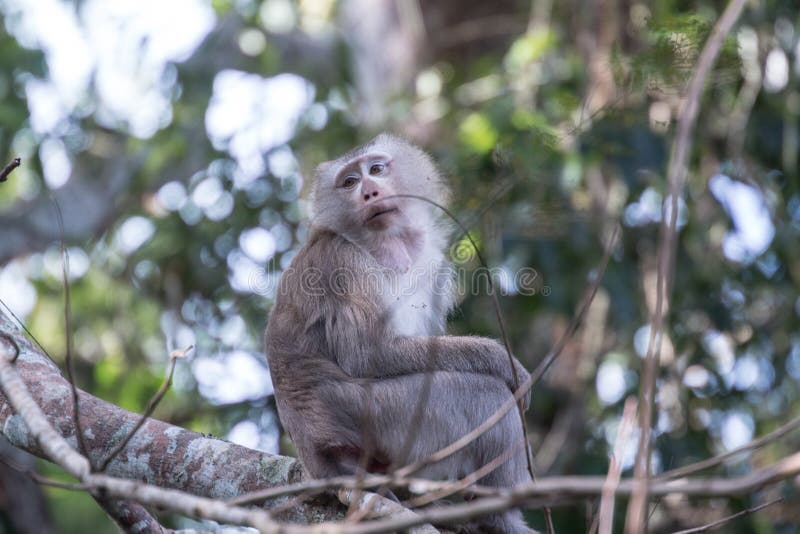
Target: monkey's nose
372, 194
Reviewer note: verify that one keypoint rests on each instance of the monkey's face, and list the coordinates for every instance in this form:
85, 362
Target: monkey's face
368, 183
361, 193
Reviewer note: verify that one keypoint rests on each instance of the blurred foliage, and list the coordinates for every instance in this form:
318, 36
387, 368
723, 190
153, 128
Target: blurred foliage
550, 135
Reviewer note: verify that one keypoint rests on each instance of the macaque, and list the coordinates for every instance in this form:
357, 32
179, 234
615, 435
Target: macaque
356, 339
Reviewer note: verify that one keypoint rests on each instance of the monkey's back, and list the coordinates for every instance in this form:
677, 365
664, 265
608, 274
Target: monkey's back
324, 279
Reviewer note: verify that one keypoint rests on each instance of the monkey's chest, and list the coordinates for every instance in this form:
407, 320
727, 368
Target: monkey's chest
415, 306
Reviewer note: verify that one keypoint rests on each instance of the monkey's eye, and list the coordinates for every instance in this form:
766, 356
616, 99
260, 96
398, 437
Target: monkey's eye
350, 182
377, 168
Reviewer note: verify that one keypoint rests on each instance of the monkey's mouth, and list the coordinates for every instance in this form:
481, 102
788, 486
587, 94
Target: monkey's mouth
378, 211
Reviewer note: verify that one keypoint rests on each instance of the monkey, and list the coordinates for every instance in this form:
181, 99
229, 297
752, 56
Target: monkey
356, 336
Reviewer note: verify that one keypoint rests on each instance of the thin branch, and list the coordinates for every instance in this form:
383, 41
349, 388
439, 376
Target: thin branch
716, 460
467, 481
312, 486
52, 483
582, 487
677, 172
606, 513
291, 503
354, 513
54, 446
577, 488
42, 480
13, 164
583, 307
187, 504
151, 406
315, 486
68, 334
21, 325
729, 518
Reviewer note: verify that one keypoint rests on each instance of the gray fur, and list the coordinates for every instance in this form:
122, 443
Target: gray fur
346, 383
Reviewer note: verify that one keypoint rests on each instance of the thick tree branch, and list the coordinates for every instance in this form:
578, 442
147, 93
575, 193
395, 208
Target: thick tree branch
160, 454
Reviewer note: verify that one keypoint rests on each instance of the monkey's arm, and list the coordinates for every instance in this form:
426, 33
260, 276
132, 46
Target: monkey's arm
411, 355
338, 310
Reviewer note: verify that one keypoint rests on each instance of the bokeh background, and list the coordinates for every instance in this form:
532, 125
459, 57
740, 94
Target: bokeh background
178, 139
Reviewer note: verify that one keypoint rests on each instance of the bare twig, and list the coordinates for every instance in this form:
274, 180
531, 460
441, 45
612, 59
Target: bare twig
583, 487
39, 479
729, 518
716, 460
151, 405
421, 403
13, 164
68, 334
291, 503
677, 172
354, 513
567, 488
312, 486
577, 319
25, 329
315, 486
468, 480
54, 446
606, 514
187, 504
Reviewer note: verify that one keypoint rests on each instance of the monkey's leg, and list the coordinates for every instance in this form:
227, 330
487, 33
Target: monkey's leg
457, 403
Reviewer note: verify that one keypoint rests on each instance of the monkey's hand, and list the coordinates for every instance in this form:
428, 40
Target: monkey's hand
522, 377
